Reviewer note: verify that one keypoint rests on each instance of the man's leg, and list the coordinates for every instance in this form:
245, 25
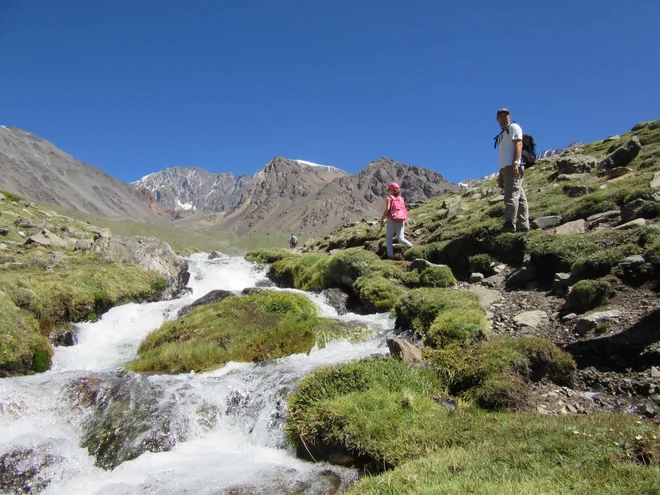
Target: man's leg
511, 198
523, 210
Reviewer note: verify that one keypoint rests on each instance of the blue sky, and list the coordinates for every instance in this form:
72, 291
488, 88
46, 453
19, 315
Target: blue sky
137, 86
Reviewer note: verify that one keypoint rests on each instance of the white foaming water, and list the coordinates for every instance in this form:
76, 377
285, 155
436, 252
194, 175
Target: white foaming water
221, 429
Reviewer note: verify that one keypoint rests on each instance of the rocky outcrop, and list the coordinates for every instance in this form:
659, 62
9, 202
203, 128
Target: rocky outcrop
620, 156
148, 253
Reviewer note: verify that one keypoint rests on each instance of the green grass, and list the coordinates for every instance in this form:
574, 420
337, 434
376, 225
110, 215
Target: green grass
377, 293
383, 413
14, 198
253, 328
268, 255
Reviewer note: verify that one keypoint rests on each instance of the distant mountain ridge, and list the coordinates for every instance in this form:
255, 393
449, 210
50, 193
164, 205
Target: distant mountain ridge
296, 195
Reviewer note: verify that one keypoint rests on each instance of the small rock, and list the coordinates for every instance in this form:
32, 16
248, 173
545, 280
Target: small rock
496, 199
561, 281
591, 321
476, 277
638, 222
618, 172
655, 182
572, 228
405, 351
655, 372
546, 222
606, 215
632, 260
487, 297
576, 191
568, 317
530, 318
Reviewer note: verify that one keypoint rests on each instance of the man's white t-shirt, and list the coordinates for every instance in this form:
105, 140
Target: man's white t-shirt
505, 146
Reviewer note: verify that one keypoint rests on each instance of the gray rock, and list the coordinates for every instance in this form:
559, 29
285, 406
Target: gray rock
649, 162
591, 321
499, 268
47, 238
635, 259
212, 297
522, 276
338, 299
604, 216
576, 191
215, 255
546, 222
562, 281
630, 209
531, 319
611, 138
568, 317
572, 228
638, 222
496, 199
572, 164
573, 177
494, 280
621, 156
486, 296
476, 277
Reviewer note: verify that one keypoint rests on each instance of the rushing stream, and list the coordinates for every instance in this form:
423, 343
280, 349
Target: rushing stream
212, 433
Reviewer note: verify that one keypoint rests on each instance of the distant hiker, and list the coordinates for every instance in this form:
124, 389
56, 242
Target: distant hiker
509, 144
396, 214
293, 241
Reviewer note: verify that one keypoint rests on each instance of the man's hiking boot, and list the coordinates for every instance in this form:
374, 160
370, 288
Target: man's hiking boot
508, 227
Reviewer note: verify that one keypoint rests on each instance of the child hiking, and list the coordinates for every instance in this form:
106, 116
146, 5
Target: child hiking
396, 215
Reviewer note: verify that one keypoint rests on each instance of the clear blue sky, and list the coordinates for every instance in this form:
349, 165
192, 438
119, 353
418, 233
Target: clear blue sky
137, 86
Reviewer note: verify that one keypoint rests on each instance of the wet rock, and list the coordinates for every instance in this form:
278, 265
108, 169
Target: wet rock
621, 156
83, 391
591, 321
337, 299
215, 255
265, 283
22, 469
212, 297
532, 319
130, 416
546, 222
572, 228
406, 351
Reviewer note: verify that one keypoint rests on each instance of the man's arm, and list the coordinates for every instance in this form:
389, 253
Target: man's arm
517, 153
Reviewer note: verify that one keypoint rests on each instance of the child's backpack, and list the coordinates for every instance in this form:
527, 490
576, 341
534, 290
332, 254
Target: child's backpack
398, 211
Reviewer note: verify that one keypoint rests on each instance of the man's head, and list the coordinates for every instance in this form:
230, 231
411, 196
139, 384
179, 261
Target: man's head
503, 117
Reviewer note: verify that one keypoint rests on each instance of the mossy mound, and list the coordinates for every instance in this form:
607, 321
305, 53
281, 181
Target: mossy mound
377, 293
587, 294
419, 308
268, 255
263, 326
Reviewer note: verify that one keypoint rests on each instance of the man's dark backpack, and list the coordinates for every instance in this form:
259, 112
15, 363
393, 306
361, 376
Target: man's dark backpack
529, 148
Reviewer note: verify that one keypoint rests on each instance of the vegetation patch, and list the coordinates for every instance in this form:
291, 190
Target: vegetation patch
308, 272
258, 327
14, 198
377, 293
462, 368
268, 255
418, 309
600, 263
587, 294
457, 325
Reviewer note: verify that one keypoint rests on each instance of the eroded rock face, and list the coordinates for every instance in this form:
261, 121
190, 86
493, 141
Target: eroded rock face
148, 253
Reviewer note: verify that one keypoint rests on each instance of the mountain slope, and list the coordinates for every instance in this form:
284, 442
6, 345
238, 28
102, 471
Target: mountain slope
37, 170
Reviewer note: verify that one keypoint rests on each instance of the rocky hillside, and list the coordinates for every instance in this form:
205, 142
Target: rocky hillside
37, 170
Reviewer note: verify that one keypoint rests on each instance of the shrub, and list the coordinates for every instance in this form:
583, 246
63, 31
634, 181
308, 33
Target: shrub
586, 295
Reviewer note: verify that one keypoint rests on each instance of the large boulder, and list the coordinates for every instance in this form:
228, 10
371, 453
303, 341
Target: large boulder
621, 156
576, 164
148, 253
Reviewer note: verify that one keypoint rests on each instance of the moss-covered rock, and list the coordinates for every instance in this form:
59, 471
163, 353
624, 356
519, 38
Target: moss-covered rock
457, 325
587, 294
268, 255
307, 272
502, 392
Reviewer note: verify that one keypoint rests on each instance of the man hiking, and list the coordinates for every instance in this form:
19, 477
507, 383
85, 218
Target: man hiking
293, 241
509, 144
